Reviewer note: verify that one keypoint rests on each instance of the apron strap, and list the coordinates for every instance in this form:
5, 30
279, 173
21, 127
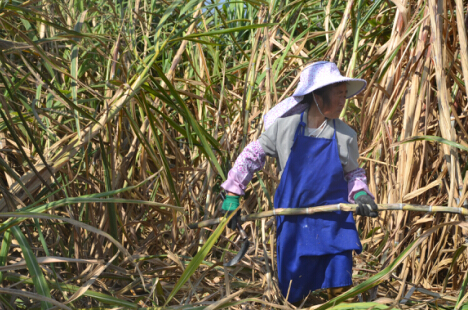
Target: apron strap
300, 130
334, 129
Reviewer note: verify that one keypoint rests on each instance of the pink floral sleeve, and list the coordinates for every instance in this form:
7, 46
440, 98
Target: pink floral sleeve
356, 180
251, 159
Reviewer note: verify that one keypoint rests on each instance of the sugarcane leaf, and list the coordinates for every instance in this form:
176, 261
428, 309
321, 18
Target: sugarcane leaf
165, 17
5, 247
265, 190
362, 305
111, 209
104, 298
64, 219
37, 276
369, 12
382, 275
453, 262
15, 176
74, 70
169, 176
199, 257
73, 200
190, 5
463, 291
223, 31
433, 139
193, 122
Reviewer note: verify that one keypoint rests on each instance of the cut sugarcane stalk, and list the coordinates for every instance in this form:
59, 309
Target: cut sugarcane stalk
332, 208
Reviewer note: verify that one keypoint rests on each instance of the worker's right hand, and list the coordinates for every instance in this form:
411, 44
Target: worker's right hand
231, 203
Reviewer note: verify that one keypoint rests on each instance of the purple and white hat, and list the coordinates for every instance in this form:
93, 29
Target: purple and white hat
313, 77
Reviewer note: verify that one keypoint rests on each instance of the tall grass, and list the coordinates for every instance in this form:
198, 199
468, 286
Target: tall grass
120, 119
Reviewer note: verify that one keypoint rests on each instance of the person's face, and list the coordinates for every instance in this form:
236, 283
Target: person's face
334, 101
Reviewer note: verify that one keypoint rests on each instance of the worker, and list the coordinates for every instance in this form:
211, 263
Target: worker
318, 159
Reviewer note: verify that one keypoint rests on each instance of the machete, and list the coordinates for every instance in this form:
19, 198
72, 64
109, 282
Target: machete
242, 251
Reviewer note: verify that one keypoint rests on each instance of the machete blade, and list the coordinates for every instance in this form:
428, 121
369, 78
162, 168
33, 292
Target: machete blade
240, 255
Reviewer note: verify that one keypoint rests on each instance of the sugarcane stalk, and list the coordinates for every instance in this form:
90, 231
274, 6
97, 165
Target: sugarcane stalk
332, 208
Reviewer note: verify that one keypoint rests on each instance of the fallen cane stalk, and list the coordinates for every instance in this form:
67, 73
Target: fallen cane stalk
331, 208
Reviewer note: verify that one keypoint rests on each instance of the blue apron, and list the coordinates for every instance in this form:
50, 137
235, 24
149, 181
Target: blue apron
314, 251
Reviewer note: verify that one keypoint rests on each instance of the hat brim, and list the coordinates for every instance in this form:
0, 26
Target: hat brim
354, 87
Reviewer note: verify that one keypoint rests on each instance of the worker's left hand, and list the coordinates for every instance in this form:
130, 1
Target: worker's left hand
366, 206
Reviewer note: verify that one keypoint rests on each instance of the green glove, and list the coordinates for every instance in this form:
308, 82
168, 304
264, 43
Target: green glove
360, 193
230, 203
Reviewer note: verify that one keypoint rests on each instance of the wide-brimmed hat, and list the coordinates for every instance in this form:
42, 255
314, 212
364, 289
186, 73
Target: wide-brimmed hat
314, 76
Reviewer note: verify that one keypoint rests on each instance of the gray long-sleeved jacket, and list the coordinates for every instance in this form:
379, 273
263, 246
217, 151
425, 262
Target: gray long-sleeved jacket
277, 140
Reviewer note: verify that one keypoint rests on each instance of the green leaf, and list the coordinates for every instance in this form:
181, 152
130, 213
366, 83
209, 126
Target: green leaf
6, 242
164, 159
362, 305
199, 257
165, 17
453, 262
434, 139
463, 291
369, 12
112, 212
39, 281
15, 220
15, 176
73, 288
193, 122
382, 275
223, 31
74, 71
190, 5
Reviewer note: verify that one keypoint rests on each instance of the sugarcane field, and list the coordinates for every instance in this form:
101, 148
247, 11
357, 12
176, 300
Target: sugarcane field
234, 154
